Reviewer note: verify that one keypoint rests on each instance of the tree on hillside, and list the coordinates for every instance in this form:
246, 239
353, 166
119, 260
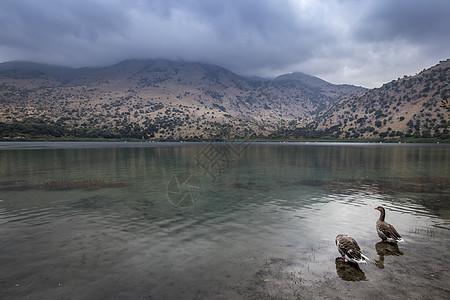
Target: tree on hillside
445, 104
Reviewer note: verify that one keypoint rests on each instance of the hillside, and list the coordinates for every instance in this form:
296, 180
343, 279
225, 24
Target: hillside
157, 99
408, 107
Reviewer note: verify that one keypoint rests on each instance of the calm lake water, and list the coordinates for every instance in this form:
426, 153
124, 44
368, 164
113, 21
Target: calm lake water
221, 220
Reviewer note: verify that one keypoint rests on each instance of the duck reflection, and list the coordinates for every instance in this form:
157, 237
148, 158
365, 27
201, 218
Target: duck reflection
384, 249
349, 271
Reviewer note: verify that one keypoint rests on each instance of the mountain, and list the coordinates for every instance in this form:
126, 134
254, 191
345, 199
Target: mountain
414, 106
175, 100
158, 99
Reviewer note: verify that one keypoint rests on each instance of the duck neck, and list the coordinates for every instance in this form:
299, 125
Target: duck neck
382, 215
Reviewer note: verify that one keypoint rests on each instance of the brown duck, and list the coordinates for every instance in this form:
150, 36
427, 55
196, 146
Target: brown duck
386, 231
349, 249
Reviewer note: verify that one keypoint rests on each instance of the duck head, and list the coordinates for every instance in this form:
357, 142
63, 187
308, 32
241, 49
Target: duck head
383, 213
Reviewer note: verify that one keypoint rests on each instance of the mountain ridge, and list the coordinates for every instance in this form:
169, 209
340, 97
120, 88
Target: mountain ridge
407, 107
168, 99
177, 100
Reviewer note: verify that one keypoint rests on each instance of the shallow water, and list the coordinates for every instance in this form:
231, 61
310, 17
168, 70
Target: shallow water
221, 220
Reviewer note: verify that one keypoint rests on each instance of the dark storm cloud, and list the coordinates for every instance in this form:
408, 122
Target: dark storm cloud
359, 42
415, 21
235, 33
242, 35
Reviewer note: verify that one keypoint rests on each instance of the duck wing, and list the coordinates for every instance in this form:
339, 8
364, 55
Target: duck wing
348, 246
389, 231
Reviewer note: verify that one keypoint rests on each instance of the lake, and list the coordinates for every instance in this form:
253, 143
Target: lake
221, 220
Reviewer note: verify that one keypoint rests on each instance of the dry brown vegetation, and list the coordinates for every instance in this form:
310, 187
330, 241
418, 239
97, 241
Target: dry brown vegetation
163, 99
159, 99
411, 106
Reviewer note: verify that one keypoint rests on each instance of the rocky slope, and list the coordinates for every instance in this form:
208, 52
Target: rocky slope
158, 99
414, 106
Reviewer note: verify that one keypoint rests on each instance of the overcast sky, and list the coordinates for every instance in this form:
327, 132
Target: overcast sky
365, 43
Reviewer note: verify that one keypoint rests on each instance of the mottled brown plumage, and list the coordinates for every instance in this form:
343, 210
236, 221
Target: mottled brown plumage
386, 231
349, 248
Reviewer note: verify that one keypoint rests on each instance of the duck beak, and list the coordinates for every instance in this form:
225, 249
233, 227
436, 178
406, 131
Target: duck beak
376, 207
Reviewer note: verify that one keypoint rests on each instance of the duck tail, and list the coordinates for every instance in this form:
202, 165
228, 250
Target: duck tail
365, 258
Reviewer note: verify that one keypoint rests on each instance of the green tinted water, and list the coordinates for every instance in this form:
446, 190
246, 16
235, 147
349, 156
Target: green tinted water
220, 220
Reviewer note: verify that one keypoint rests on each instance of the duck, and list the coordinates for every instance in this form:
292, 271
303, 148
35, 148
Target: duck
349, 249
386, 231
